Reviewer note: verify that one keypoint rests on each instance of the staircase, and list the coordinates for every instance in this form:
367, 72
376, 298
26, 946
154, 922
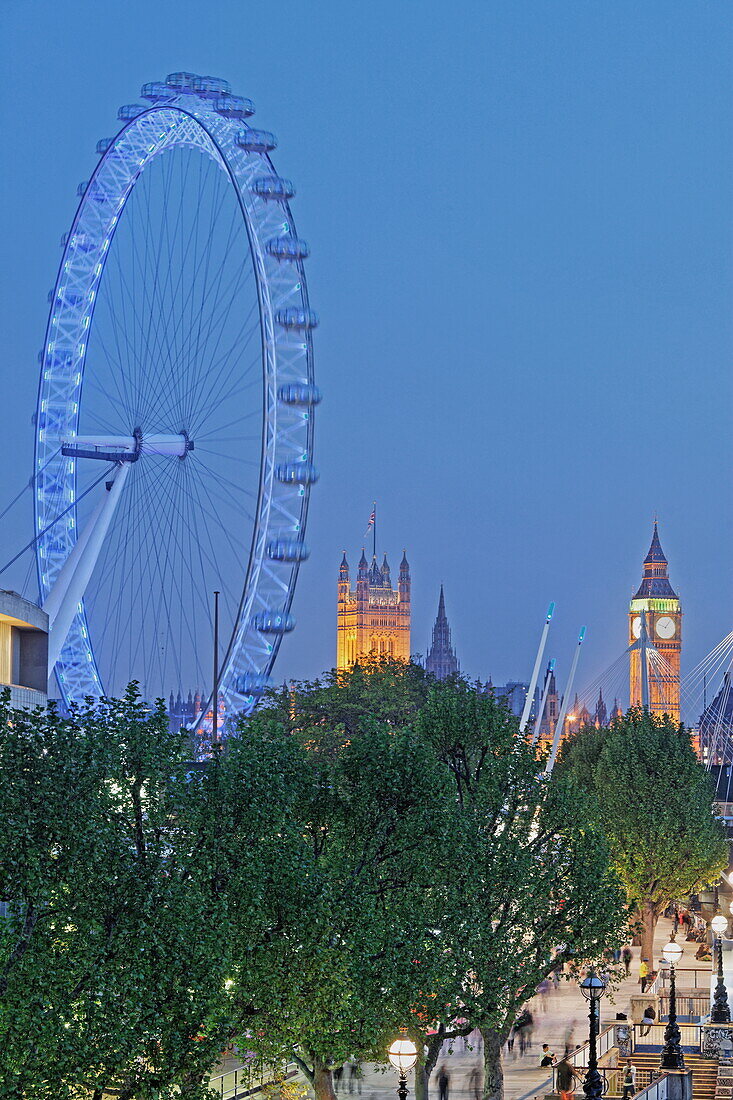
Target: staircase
704, 1075
724, 1090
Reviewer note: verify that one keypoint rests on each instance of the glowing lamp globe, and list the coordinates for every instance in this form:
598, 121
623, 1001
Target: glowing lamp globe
672, 952
719, 924
731, 907
593, 987
403, 1054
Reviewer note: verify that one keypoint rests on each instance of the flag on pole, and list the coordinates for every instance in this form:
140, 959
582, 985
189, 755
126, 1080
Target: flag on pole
372, 521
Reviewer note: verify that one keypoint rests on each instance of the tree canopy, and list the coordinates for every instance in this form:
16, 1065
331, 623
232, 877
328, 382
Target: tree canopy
654, 801
371, 850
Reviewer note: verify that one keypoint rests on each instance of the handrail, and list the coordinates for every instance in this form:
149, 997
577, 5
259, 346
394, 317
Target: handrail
234, 1084
654, 1037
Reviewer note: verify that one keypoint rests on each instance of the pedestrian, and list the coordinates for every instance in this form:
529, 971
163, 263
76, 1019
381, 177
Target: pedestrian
647, 1020
528, 1029
510, 1040
443, 1083
643, 974
354, 1075
675, 921
626, 959
475, 1083
337, 1075
629, 1080
548, 1058
569, 1038
565, 1080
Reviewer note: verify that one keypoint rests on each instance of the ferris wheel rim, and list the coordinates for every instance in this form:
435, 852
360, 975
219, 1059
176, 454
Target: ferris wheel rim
265, 526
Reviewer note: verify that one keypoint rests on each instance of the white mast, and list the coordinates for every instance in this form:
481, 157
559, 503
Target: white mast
536, 670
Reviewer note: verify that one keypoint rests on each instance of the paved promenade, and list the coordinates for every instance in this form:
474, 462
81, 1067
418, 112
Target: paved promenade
560, 1018
556, 1016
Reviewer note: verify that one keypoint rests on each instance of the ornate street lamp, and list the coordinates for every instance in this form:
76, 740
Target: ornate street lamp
593, 987
403, 1055
672, 1057
720, 1013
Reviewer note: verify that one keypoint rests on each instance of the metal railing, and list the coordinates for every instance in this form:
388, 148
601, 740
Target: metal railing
694, 1005
654, 1037
241, 1082
578, 1058
694, 978
655, 1090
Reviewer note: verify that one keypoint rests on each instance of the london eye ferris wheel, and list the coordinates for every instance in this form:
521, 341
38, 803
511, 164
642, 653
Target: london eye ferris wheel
174, 427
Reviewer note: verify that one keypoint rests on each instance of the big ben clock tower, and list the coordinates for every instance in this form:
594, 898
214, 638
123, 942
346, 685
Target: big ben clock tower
657, 603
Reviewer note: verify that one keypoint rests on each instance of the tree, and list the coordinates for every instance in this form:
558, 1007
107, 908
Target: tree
343, 972
655, 803
480, 877
115, 954
375, 689
527, 883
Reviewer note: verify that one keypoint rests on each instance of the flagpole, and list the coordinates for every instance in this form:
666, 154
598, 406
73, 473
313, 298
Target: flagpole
374, 529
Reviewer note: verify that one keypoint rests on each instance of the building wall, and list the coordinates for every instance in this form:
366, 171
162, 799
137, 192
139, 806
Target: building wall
373, 620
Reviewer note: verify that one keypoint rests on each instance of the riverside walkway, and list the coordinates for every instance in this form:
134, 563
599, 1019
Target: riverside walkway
560, 1018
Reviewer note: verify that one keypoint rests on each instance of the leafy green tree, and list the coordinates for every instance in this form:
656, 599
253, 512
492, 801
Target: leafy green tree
527, 883
343, 972
114, 950
654, 801
485, 876
342, 702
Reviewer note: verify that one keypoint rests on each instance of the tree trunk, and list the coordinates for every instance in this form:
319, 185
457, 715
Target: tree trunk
191, 1084
426, 1065
323, 1082
493, 1073
649, 918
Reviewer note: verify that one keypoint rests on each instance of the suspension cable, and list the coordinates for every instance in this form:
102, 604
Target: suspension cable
53, 522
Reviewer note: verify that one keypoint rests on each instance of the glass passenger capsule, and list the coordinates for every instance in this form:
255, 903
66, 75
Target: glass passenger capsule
273, 622
103, 145
288, 248
273, 187
66, 298
60, 358
252, 683
299, 393
129, 111
287, 550
182, 82
256, 141
95, 192
156, 89
211, 86
296, 318
79, 241
296, 473
234, 106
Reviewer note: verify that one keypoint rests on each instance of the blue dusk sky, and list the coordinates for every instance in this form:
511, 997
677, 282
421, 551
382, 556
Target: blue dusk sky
519, 214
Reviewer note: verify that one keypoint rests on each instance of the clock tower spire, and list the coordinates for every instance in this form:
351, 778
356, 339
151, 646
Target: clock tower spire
658, 599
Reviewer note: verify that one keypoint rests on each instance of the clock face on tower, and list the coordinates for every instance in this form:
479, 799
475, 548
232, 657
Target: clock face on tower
636, 626
665, 627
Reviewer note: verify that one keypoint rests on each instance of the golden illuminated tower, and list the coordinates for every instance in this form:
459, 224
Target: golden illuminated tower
375, 619
657, 602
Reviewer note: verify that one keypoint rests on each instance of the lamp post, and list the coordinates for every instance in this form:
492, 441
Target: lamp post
403, 1055
593, 987
672, 1057
720, 1013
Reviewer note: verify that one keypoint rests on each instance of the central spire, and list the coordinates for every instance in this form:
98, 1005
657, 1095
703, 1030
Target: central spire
441, 660
655, 581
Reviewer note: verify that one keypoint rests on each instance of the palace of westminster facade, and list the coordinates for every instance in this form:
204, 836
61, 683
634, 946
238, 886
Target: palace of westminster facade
373, 619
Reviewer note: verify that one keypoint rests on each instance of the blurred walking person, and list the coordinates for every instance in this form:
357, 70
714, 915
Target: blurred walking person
443, 1083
